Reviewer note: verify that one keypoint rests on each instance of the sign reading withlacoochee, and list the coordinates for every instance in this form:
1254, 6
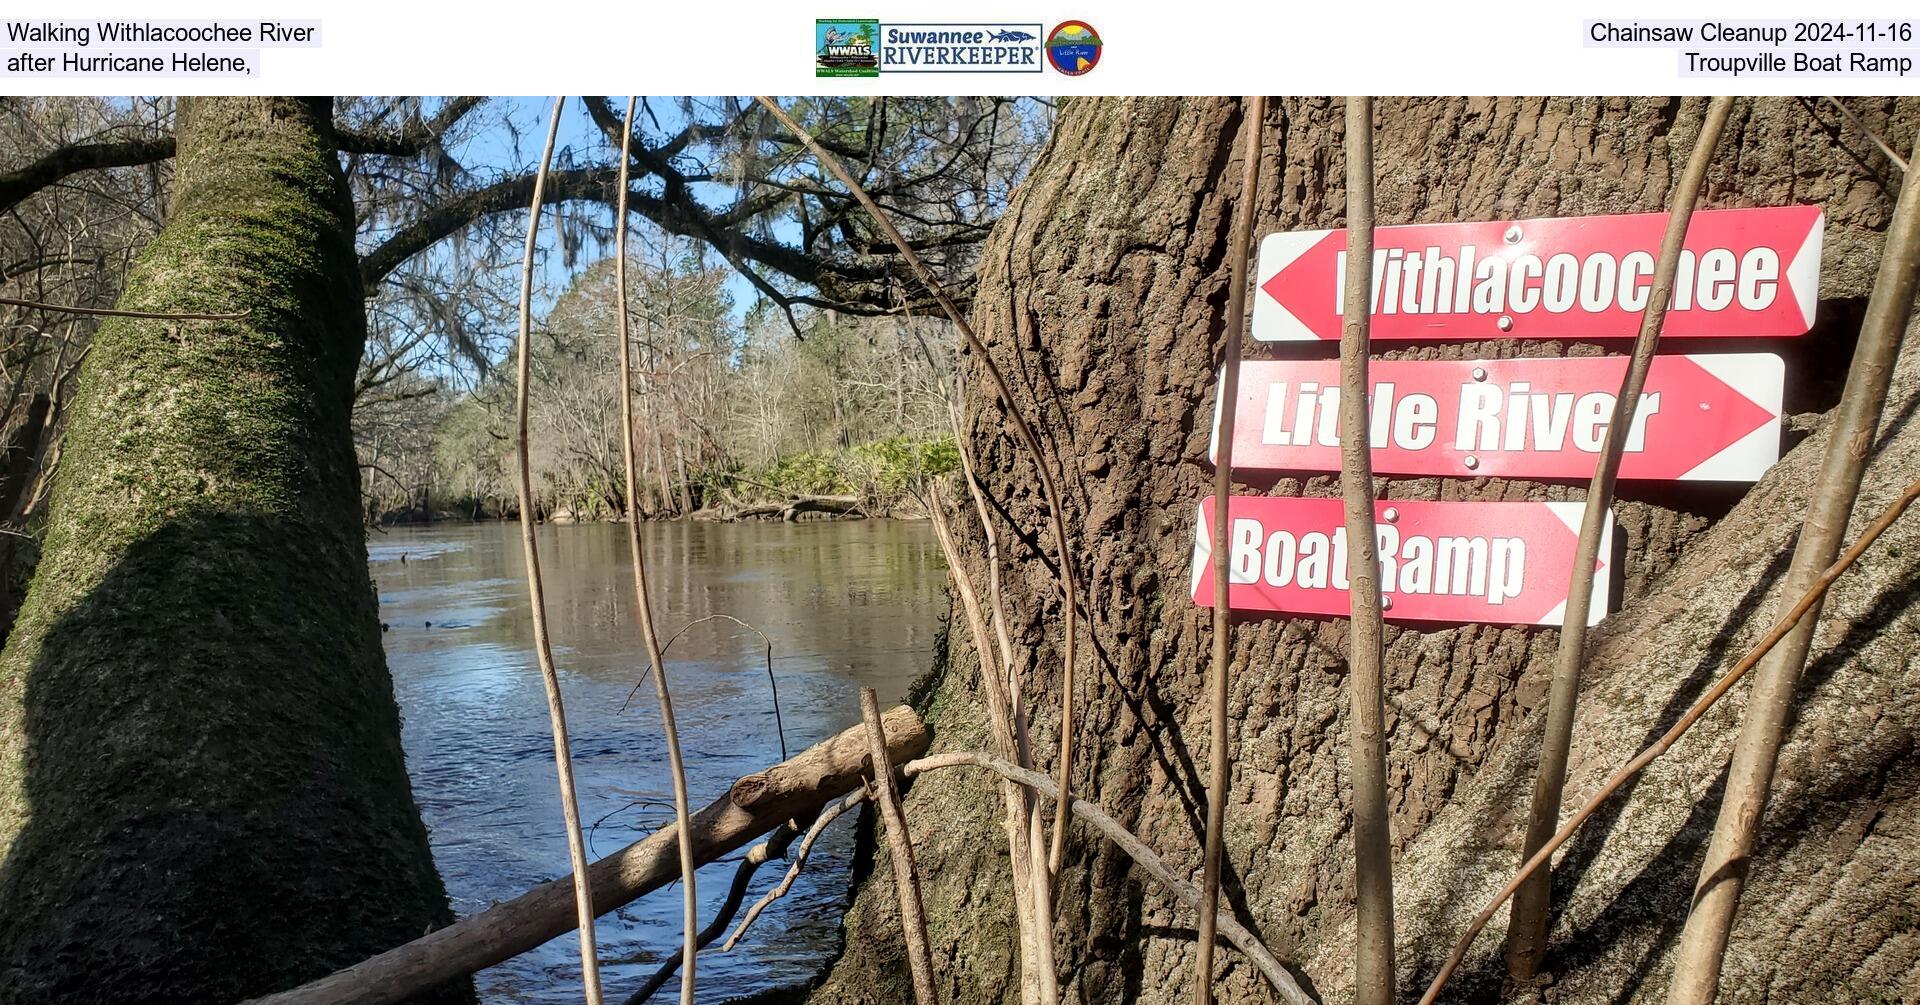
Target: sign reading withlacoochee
1496, 562
1699, 418
1744, 272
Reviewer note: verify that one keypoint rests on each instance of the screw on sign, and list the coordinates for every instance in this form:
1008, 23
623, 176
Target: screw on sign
1742, 272
1699, 418
1503, 563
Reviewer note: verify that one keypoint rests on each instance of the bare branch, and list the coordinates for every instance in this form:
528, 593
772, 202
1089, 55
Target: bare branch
1527, 938
819, 826
104, 312
682, 811
766, 851
1220, 770
1056, 510
409, 140
1878, 141
556, 710
1276, 974
1781, 628
1770, 707
18, 184
906, 876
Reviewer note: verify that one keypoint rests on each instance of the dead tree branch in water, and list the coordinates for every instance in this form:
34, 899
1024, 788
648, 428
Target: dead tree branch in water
543, 650
791, 510
775, 846
1769, 712
1220, 767
757, 803
1276, 974
906, 877
1781, 628
682, 811
799, 864
1366, 653
1056, 509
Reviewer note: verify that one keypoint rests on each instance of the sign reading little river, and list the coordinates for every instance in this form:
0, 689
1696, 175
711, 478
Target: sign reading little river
1699, 418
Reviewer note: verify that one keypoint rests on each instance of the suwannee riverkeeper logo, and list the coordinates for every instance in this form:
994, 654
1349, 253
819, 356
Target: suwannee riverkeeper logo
864, 47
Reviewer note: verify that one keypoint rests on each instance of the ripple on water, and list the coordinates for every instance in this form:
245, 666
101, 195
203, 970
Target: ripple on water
845, 604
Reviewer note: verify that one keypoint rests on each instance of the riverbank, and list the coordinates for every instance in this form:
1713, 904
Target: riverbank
885, 478
804, 509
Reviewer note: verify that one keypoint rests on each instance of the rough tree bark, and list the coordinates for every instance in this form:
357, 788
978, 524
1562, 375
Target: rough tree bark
202, 791
1097, 294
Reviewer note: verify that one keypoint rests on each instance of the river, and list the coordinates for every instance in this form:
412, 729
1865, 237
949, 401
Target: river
845, 604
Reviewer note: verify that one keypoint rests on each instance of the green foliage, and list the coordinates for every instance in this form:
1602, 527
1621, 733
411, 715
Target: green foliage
809, 474
884, 473
896, 464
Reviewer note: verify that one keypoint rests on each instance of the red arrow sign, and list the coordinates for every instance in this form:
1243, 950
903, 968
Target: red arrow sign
1505, 563
1744, 272
1700, 418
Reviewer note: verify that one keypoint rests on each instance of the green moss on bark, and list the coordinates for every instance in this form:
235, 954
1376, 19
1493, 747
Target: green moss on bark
202, 790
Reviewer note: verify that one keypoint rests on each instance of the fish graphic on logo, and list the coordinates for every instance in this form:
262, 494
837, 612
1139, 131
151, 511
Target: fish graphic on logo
846, 48
1009, 35
1073, 47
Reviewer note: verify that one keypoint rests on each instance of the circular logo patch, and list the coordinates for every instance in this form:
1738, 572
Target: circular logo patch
1073, 47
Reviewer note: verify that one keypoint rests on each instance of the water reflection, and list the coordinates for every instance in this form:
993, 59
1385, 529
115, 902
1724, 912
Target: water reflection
845, 604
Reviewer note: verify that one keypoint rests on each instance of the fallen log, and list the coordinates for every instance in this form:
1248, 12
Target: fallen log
756, 804
791, 509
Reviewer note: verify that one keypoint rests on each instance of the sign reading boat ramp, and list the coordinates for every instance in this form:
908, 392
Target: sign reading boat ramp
1497, 562
1699, 418
1743, 272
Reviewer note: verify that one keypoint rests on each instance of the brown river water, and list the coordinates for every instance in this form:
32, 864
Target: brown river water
845, 604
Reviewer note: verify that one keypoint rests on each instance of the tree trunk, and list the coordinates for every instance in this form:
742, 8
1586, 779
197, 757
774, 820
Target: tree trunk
1098, 293
202, 792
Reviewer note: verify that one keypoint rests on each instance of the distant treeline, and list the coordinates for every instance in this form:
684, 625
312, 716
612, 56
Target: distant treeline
732, 409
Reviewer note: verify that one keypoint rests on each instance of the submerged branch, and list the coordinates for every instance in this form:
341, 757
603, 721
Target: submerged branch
757, 803
766, 851
819, 826
779, 725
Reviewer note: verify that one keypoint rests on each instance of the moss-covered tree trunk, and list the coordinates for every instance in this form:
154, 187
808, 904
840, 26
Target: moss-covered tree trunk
1101, 295
202, 791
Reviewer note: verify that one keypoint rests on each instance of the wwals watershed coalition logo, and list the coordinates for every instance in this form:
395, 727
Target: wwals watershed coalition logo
846, 47
860, 47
